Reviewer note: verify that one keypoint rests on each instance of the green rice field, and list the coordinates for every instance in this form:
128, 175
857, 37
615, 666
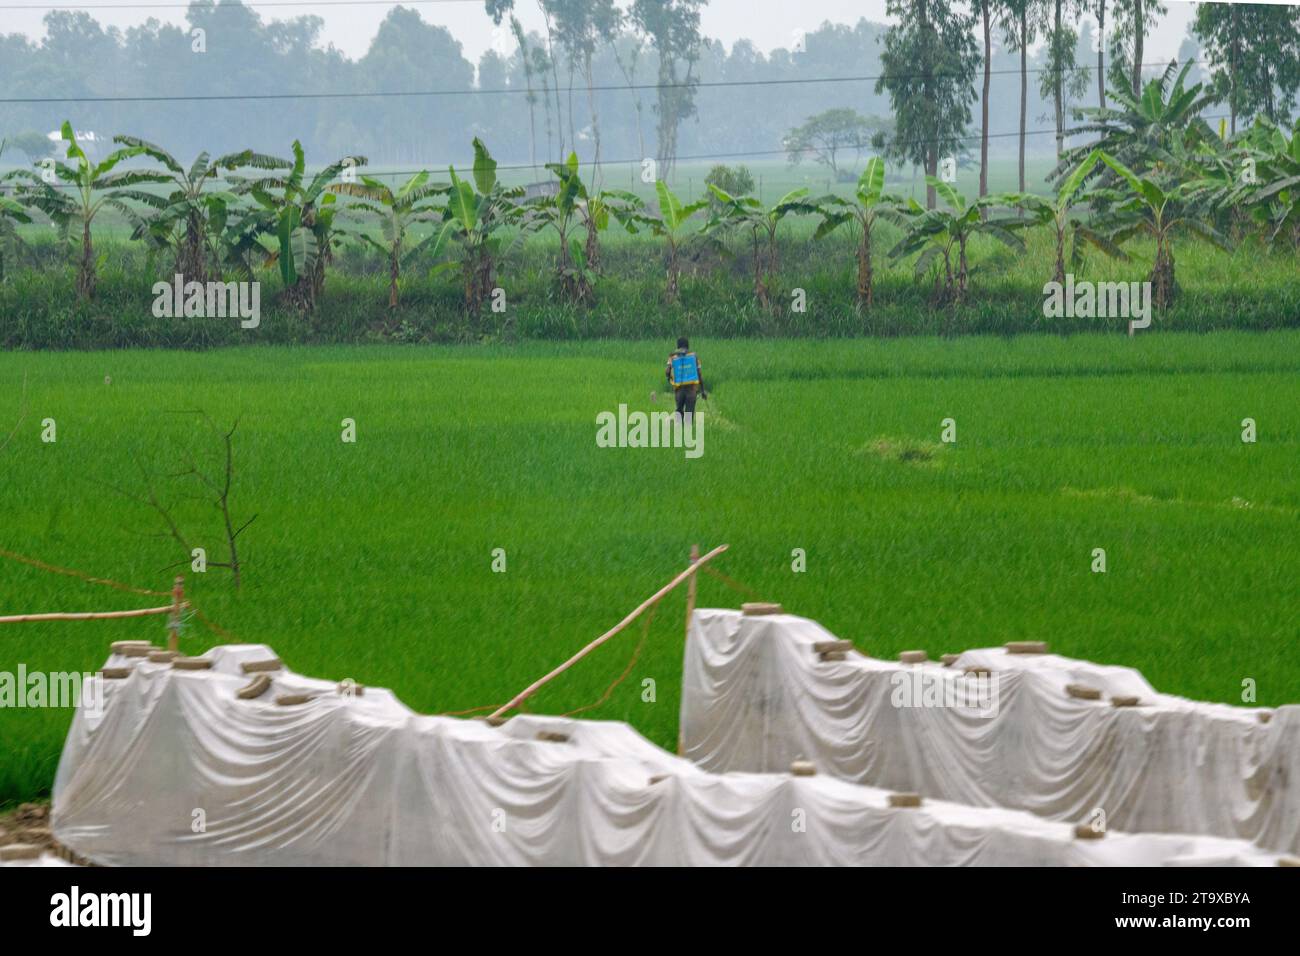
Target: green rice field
374, 560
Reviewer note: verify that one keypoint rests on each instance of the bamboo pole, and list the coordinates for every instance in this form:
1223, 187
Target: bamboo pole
84, 615
538, 684
174, 624
690, 609
690, 589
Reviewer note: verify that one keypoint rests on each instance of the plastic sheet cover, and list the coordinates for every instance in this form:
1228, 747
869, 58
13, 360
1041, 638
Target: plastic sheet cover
177, 769
991, 729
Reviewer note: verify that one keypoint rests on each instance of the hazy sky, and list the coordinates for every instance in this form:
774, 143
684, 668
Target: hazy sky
350, 26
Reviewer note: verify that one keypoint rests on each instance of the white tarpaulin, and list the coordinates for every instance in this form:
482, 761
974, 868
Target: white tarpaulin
179, 770
45, 859
757, 694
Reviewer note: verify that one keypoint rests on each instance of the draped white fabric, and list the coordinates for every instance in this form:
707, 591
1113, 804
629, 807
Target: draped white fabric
44, 860
757, 696
178, 770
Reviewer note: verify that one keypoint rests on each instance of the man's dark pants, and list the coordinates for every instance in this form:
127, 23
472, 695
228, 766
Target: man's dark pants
686, 396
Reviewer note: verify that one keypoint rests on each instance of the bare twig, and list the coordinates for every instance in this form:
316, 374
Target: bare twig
217, 493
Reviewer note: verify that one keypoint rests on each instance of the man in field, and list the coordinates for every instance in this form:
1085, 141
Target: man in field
683, 374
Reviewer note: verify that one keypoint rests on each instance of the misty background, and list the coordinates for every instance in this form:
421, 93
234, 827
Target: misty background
452, 48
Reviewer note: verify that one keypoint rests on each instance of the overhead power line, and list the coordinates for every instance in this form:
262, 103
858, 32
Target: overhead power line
742, 154
972, 138
379, 94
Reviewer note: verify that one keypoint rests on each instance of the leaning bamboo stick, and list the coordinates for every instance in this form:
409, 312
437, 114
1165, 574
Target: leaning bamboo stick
690, 609
538, 684
84, 615
690, 589
174, 622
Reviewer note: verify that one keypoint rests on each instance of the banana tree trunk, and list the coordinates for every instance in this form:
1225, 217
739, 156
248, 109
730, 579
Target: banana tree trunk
86, 269
963, 272
671, 290
478, 282
1059, 275
472, 302
866, 279
486, 282
394, 271
316, 284
1162, 274
592, 248
193, 258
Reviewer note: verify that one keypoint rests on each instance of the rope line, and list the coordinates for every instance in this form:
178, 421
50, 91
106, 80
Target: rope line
636, 654
116, 585
733, 583
222, 632
70, 572
211, 624
470, 710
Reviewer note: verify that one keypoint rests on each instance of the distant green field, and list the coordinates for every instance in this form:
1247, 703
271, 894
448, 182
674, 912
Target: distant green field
373, 560
772, 180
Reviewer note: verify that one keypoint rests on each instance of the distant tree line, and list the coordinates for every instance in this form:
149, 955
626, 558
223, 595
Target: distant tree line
635, 80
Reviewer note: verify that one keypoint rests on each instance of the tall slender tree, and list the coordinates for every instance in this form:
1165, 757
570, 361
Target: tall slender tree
673, 29
555, 75
1254, 56
1134, 19
929, 64
1101, 53
984, 101
1062, 76
580, 25
541, 64
1139, 34
1020, 29
634, 44
522, 41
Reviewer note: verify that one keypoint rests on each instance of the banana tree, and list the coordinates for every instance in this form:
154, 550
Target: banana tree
670, 224
477, 215
92, 186
561, 212
299, 213
1272, 189
398, 211
1149, 209
184, 217
1143, 130
937, 233
11, 215
1280, 182
601, 208
1069, 229
748, 212
869, 204
572, 206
